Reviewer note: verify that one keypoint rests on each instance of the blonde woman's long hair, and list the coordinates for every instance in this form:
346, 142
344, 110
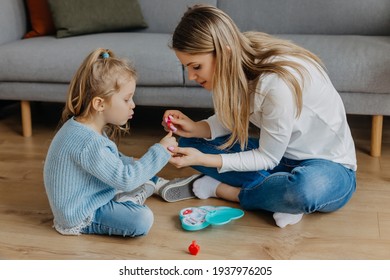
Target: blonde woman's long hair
101, 74
241, 60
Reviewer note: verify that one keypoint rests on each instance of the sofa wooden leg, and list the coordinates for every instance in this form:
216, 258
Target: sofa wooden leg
376, 135
26, 118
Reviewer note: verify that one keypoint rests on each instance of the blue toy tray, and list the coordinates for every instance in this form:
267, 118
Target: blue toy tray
197, 218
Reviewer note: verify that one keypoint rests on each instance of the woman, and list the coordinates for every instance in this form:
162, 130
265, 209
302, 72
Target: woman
304, 157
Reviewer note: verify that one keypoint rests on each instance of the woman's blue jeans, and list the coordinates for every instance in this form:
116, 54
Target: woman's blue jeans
121, 218
294, 186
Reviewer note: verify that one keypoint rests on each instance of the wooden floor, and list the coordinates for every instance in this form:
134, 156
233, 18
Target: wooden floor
361, 230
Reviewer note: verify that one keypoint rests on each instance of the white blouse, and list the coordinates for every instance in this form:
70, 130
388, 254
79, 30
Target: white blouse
321, 131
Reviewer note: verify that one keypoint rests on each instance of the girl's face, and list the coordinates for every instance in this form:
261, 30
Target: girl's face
121, 106
200, 67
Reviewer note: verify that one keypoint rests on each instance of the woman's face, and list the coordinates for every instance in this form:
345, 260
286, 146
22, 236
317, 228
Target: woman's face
200, 67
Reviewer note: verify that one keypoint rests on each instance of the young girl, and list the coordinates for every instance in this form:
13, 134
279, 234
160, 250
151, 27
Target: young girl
304, 158
92, 187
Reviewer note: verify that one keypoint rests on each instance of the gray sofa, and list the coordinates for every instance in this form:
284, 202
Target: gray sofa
352, 37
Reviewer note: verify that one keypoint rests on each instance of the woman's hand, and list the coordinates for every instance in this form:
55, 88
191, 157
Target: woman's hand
184, 157
180, 124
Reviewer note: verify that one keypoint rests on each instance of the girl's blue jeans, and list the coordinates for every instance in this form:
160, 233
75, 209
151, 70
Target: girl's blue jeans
121, 218
293, 186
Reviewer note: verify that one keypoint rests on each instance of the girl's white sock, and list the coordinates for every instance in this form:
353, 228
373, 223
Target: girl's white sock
205, 187
284, 219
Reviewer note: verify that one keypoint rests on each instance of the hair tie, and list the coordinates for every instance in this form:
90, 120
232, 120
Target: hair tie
105, 55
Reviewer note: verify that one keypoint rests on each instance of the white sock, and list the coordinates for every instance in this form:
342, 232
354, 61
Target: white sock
284, 219
205, 187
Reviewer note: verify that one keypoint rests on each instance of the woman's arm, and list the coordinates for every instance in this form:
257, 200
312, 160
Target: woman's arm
184, 126
217, 129
191, 156
275, 115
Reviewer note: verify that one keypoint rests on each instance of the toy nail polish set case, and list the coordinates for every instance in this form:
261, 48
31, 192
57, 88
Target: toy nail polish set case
197, 218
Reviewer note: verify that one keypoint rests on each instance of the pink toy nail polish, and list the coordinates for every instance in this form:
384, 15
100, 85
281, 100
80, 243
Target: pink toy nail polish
169, 123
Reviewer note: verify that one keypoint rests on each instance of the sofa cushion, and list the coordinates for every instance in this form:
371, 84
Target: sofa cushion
47, 59
13, 21
147, 96
40, 19
354, 63
76, 17
162, 16
332, 17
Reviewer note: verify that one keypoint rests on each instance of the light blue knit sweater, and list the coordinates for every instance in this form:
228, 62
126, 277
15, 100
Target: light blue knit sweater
83, 171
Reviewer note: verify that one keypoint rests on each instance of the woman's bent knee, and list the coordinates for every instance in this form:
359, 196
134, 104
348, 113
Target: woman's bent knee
321, 191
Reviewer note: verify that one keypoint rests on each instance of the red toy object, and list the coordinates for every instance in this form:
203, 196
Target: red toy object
194, 248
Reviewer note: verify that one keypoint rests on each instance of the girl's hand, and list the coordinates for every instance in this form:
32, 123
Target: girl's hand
180, 124
169, 142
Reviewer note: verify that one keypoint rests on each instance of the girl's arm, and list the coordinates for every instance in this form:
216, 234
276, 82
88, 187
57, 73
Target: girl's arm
102, 161
126, 159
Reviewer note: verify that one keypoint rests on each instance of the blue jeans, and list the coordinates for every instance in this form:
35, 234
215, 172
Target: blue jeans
121, 218
294, 186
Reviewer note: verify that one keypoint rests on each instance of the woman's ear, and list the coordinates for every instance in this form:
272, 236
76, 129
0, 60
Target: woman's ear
98, 104
229, 51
